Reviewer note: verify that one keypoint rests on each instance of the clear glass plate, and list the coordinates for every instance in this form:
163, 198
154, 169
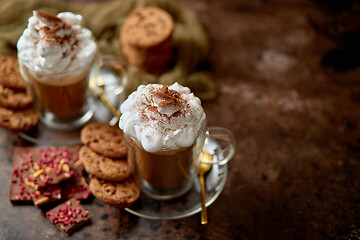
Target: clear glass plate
44, 135
188, 204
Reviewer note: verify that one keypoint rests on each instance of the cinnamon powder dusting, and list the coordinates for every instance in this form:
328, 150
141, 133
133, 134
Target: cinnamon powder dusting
169, 97
47, 17
149, 109
164, 98
50, 33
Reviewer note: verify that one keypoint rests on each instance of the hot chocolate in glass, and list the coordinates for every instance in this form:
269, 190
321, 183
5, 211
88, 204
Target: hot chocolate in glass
55, 56
165, 132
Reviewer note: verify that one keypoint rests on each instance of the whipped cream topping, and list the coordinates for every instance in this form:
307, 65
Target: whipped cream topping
56, 46
162, 117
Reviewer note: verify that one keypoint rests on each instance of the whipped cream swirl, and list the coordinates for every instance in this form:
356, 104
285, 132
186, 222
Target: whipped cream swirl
162, 117
56, 46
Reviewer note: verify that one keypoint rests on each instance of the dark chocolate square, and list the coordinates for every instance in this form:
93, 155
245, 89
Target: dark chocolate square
24, 189
50, 166
69, 216
76, 187
19, 192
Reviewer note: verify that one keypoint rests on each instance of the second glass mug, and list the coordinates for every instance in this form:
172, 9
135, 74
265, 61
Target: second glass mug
63, 103
168, 174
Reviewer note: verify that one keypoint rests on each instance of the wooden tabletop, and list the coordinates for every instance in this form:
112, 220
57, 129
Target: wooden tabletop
288, 75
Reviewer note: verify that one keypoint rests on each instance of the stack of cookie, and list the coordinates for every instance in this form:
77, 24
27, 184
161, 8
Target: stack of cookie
16, 111
104, 158
146, 39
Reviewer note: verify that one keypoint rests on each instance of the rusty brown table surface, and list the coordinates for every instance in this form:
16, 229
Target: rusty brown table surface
288, 75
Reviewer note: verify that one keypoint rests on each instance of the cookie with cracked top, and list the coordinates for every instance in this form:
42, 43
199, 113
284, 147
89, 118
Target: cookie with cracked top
147, 27
10, 74
18, 120
104, 139
118, 194
106, 168
13, 99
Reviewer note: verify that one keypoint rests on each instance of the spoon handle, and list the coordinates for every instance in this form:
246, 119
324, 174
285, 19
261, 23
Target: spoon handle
204, 219
109, 105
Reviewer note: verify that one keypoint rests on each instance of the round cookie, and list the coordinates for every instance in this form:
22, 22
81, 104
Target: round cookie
10, 73
18, 120
119, 194
146, 39
13, 99
103, 167
104, 139
147, 27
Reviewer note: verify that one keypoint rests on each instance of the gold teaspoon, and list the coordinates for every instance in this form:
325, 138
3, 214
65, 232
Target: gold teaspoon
103, 98
204, 167
97, 81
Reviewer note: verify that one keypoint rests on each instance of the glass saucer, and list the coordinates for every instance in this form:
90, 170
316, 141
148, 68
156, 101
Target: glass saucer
189, 203
44, 135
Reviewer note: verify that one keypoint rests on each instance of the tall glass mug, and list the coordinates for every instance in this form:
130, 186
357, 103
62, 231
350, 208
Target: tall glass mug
62, 103
167, 173
55, 57
165, 131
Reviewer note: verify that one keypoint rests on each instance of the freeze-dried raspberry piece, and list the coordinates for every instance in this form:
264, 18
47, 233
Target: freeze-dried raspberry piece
68, 216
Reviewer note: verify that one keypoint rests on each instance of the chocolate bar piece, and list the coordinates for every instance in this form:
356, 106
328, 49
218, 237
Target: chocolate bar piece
45, 195
50, 166
68, 216
29, 181
76, 187
18, 189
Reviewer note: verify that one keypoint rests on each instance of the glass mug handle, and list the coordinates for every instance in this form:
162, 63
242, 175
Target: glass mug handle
220, 144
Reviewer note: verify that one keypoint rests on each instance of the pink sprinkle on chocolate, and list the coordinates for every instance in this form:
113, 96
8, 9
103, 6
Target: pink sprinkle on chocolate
27, 159
57, 171
68, 216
